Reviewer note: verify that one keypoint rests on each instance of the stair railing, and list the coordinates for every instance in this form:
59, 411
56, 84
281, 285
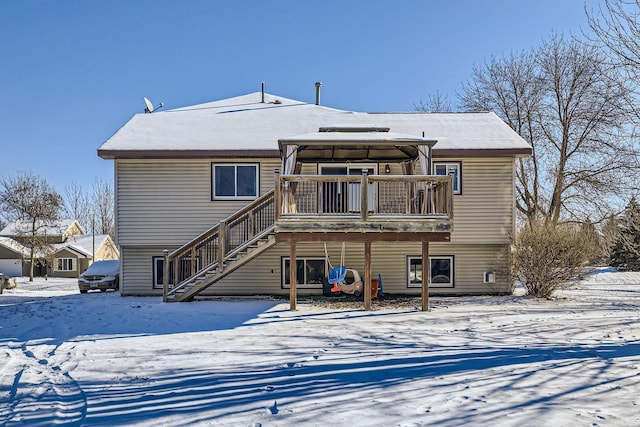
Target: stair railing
213, 248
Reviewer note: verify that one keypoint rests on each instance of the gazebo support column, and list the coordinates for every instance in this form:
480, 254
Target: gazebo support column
367, 275
293, 285
426, 267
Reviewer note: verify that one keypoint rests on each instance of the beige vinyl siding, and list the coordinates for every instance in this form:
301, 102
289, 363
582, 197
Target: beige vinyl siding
263, 275
388, 260
483, 213
107, 251
136, 271
169, 201
165, 203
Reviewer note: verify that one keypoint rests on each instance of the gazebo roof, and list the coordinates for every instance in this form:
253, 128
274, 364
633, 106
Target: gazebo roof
369, 143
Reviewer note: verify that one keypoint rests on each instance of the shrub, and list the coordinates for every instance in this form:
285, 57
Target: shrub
548, 257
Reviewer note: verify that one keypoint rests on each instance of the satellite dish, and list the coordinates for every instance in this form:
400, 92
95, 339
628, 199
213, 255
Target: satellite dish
149, 106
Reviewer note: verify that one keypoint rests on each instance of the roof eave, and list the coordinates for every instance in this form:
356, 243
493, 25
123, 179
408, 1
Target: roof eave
484, 152
185, 154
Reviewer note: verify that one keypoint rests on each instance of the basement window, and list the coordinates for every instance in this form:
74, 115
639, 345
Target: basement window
158, 270
440, 273
310, 272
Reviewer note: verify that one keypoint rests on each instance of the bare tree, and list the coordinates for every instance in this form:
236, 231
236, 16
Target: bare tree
34, 205
513, 88
570, 106
436, 103
93, 210
616, 27
103, 202
78, 205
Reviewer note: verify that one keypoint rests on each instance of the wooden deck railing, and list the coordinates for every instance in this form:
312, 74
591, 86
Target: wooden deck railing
364, 197
220, 243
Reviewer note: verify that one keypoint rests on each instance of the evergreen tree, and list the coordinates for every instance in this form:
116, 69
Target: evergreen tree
625, 253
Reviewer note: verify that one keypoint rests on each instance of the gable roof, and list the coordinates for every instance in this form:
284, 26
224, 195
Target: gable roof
243, 126
82, 244
57, 228
14, 246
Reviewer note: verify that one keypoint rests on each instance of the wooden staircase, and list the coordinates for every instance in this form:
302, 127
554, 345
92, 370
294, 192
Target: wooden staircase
219, 251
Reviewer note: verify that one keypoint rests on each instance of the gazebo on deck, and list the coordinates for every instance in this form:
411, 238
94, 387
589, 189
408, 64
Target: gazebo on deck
364, 207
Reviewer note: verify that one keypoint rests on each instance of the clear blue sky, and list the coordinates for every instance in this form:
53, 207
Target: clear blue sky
73, 72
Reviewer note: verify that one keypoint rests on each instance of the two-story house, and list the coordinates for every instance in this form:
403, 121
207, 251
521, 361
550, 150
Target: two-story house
233, 190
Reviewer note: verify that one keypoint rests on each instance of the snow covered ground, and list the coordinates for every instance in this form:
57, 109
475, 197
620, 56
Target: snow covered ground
100, 359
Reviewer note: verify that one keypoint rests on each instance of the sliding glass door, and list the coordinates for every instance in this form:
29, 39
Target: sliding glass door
342, 197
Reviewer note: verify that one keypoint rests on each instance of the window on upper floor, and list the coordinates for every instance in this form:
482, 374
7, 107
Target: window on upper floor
440, 273
448, 168
234, 181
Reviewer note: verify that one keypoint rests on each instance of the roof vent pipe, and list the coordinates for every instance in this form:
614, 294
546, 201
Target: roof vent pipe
263, 92
318, 86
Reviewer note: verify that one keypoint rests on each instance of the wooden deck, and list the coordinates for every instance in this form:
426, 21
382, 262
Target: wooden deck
364, 203
363, 208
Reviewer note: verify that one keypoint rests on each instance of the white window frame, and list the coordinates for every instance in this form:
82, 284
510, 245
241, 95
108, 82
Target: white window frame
214, 196
158, 262
72, 261
451, 283
457, 178
285, 277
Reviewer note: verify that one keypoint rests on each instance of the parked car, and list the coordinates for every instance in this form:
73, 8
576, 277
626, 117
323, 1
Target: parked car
6, 282
102, 275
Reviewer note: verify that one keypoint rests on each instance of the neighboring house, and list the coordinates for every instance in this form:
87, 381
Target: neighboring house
179, 173
71, 251
78, 252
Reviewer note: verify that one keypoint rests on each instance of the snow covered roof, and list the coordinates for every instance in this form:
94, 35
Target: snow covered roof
58, 228
82, 244
244, 126
14, 246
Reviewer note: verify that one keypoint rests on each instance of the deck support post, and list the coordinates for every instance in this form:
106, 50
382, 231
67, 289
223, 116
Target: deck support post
426, 268
367, 275
293, 292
